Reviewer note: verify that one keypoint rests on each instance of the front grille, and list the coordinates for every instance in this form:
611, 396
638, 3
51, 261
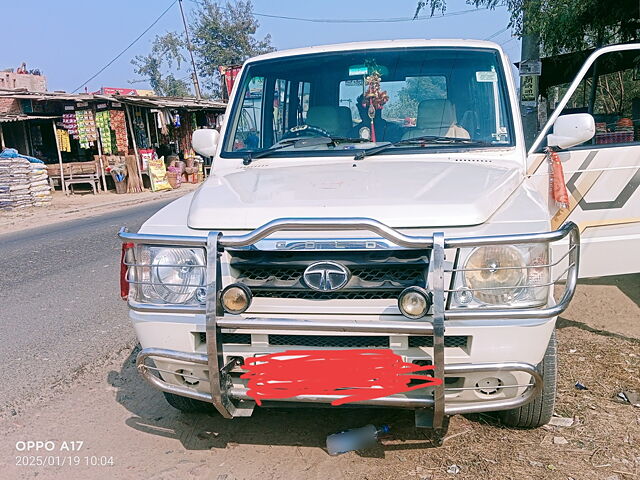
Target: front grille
452, 341
314, 295
380, 274
339, 341
342, 341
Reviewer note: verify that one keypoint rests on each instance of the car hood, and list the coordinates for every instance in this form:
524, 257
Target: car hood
397, 193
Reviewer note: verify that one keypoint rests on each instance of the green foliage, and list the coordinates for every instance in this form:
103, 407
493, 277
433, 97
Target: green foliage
221, 35
415, 90
565, 25
225, 36
166, 51
614, 94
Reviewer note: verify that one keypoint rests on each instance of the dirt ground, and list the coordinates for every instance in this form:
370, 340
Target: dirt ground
123, 421
81, 204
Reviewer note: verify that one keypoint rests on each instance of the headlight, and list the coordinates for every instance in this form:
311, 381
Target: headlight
495, 274
168, 275
504, 275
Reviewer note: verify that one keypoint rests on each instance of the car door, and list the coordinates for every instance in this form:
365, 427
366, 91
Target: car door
603, 175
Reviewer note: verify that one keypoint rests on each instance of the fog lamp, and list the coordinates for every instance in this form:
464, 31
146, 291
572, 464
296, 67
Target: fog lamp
414, 302
236, 298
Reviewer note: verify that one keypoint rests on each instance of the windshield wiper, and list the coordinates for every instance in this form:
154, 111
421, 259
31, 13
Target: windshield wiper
299, 142
422, 140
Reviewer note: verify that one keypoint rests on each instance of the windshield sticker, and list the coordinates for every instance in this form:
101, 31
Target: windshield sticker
358, 70
486, 76
501, 136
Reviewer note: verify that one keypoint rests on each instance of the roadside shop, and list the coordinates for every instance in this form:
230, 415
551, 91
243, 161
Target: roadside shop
122, 142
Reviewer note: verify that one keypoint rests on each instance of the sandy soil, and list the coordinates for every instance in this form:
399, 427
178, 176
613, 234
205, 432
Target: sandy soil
120, 419
81, 204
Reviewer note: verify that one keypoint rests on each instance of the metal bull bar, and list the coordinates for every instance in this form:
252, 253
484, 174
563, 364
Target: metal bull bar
230, 401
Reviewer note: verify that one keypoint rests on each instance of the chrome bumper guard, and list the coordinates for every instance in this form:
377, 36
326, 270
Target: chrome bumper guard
233, 402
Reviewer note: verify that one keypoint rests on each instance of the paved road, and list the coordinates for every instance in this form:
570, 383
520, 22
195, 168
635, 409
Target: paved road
59, 301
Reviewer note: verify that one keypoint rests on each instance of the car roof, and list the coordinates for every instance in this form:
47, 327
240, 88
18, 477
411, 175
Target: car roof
378, 44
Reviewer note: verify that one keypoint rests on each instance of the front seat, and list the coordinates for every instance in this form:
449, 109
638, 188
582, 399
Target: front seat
436, 117
335, 120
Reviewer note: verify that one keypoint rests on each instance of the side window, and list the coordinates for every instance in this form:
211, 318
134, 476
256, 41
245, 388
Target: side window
248, 133
349, 92
304, 92
404, 97
290, 106
280, 110
611, 95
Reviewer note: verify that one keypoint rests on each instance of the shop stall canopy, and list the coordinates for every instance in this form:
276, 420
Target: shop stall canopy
143, 122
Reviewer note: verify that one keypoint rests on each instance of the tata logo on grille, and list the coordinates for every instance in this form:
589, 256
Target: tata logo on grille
326, 276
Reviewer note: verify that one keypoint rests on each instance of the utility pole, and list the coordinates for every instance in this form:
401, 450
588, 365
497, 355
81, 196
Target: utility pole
529, 75
194, 75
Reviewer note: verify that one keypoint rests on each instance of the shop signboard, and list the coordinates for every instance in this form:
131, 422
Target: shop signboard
125, 92
530, 67
528, 90
229, 73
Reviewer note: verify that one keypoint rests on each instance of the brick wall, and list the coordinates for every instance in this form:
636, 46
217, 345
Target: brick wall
32, 83
10, 105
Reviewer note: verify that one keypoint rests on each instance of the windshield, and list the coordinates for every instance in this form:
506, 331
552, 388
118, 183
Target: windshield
358, 100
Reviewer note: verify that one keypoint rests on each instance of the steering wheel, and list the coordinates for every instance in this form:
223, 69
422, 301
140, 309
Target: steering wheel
304, 131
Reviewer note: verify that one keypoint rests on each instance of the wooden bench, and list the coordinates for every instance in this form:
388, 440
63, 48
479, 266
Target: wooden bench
76, 173
91, 178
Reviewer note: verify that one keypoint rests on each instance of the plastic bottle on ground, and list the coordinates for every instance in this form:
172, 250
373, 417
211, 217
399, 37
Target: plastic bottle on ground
355, 439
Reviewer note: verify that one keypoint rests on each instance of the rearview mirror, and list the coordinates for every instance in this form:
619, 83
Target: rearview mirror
205, 141
572, 130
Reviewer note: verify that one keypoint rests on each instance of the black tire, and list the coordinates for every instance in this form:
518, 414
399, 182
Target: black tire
539, 411
186, 404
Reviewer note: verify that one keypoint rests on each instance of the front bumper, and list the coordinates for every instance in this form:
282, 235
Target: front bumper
240, 393
232, 399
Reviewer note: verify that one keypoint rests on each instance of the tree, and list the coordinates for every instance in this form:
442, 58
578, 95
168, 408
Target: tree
166, 51
567, 25
225, 36
222, 35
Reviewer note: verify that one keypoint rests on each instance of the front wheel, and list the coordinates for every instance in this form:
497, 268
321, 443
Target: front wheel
186, 404
539, 411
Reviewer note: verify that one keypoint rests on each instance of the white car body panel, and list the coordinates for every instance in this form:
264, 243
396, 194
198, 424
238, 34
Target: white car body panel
471, 193
401, 194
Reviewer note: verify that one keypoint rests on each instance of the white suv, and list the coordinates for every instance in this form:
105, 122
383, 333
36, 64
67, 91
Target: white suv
376, 197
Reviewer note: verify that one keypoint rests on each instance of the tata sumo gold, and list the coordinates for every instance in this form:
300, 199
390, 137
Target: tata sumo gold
375, 232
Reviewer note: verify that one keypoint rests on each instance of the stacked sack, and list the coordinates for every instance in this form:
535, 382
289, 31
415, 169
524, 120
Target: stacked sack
15, 183
23, 184
39, 186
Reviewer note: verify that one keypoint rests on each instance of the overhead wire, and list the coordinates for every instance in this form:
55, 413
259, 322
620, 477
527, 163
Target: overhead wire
127, 48
366, 20
498, 33
356, 20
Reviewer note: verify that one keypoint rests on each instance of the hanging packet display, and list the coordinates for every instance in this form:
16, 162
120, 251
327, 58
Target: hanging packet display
103, 123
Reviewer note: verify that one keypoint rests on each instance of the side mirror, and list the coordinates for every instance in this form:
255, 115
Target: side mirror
571, 130
204, 141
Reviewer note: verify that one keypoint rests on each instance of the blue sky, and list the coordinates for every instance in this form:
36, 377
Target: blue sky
70, 40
